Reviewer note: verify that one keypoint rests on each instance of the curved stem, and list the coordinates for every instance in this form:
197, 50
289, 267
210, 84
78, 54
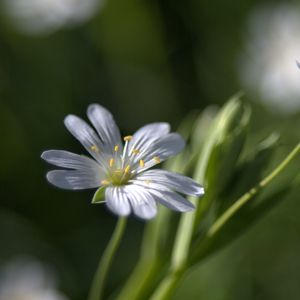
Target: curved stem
96, 291
246, 197
150, 266
167, 287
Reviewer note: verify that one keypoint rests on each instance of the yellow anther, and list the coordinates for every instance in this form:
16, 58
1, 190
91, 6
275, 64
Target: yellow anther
142, 163
156, 159
147, 182
127, 169
136, 151
95, 148
111, 162
105, 182
116, 148
127, 138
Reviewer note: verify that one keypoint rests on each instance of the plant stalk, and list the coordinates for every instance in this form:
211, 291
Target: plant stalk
251, 193
97, 288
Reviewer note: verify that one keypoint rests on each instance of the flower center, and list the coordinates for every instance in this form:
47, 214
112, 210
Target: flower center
121, 167
120, 176
119, 173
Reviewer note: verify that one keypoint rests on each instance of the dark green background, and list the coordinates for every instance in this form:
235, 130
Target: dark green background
145, 61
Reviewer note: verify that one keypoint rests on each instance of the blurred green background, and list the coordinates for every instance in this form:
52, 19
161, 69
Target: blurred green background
145, 61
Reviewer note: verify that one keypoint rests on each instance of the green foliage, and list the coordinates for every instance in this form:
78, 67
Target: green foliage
238, 193
147, 61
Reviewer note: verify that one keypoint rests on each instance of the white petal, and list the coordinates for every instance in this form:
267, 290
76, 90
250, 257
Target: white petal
164, 148
106, 126
165, 196
142, 202
170, 145
173, 181
69, 160
86, 136
152, 185
117, 201
74, 179
172, 200
148, 134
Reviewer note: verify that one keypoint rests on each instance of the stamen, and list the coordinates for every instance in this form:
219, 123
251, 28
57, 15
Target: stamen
136, 151
147, 181
127, 169
156, 159
142, 163
111, 162
127, 138
116, 149
95, 148
105, 182
125, 150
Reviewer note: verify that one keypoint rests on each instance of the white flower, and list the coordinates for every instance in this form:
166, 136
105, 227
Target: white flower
272, 47
27, 280
123, 169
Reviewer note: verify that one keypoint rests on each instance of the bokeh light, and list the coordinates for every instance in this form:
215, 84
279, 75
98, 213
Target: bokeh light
272, 47
27, 279
146, 61
36, 17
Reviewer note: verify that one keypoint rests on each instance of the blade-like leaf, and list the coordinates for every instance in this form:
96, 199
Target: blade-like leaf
228, 121
249, 171
223, 158
235, 227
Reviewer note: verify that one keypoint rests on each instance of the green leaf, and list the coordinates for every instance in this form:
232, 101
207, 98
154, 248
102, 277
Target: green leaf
219, 159
200, 130
185, 127
232, 119
204, 244
99, 196
254, 191
243, 220
249, 171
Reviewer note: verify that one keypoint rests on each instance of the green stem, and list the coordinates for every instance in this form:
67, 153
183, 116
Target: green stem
180, 254
168, 285
142, 278
246, 197
183, 237
96, 291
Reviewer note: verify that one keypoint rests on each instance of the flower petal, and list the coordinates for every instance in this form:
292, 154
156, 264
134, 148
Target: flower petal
172, 200
87, 137
69, 160
148, 134
74, 179
142, 202
173, 181
106, 127
159, 151
117, 201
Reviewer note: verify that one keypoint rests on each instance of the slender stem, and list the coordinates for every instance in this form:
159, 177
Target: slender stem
184, 236
179, 267
96, 291
143, 277
141, 281
167, 287
246, 197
